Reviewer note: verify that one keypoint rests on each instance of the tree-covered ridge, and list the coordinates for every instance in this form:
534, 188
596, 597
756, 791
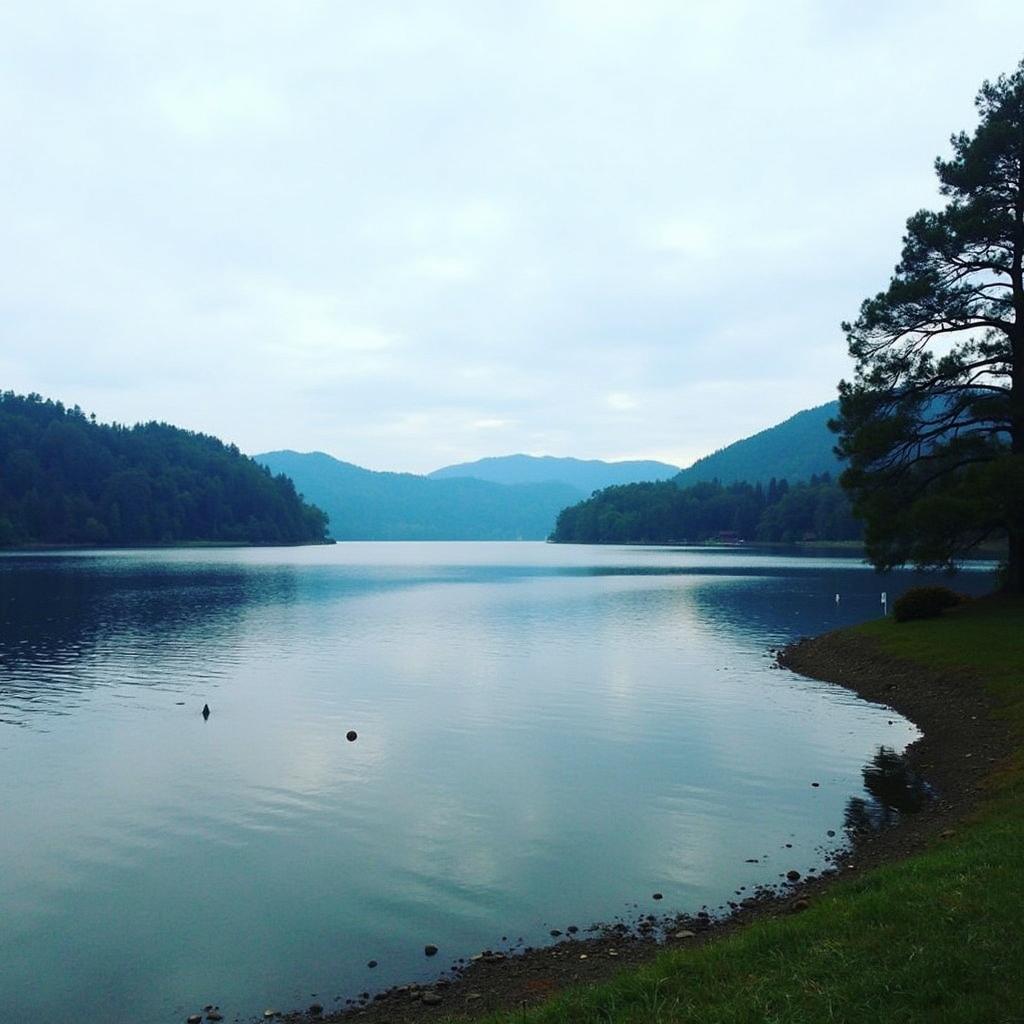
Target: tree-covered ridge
66, 479
662, 513
367, 505
796, 449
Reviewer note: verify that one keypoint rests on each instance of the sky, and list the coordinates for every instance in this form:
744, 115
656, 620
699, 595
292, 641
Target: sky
410, 234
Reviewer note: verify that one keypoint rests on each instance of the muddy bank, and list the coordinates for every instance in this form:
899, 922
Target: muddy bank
962, 741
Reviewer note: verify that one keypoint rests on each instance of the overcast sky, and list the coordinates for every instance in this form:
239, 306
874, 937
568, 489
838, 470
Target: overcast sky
410, 234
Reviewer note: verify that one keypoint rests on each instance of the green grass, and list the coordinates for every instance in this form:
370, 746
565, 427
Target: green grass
936, 938
986, 637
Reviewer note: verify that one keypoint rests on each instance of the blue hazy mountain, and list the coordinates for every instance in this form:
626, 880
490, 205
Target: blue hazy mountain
796, 449
368, 505
585, 475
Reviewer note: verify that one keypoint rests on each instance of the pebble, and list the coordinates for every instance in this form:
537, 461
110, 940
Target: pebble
830, 833
554, 933
195, 1018
685, 934
430, 999
657, 896
269, 1013
371, 963
430, 950
351, 735
572, 929
315, 1009
472, 997
793, 876
215, 1015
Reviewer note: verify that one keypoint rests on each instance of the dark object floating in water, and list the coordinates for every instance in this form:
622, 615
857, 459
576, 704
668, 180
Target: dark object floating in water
657, 896
206, 711
430, 950
815, 784
372, 963
180, 703
351, 735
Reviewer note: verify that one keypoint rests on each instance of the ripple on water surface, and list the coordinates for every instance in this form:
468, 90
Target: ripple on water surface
545, 735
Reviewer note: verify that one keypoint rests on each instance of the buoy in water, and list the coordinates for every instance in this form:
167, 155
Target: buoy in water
351, 735
206, 711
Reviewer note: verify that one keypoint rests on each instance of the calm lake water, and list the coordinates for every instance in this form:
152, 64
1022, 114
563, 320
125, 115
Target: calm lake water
547, 736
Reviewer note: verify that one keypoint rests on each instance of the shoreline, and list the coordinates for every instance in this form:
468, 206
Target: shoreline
961, 743
174, 545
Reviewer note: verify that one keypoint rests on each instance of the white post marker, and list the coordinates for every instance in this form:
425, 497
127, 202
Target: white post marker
837, 599
885, 603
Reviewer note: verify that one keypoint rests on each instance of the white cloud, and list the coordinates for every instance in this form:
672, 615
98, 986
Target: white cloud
615, 229
621, 402
207, 109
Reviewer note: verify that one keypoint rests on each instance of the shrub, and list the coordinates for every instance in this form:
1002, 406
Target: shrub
925, 603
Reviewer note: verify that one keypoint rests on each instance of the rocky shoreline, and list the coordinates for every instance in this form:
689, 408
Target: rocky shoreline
962, 741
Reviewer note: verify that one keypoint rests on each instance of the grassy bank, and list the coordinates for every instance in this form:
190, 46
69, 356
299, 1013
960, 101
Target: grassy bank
935, 937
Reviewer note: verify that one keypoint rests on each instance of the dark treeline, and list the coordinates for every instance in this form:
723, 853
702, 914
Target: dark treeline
659, 513
66, 479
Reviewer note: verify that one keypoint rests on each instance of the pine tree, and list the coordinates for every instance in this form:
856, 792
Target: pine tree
933, 422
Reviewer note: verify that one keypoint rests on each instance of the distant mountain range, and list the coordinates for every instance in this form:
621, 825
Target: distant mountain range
516, 497
366, 505
586, 475
796, 449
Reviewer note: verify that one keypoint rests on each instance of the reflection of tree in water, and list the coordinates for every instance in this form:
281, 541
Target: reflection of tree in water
66, 624
894, 789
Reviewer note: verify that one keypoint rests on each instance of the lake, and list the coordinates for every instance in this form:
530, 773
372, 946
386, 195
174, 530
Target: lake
547, 735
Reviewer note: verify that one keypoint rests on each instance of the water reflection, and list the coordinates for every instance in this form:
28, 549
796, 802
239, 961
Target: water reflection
545, 735
68, 627
893, 789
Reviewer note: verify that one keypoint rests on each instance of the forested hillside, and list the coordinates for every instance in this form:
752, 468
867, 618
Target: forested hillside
367, 505
796, 449
66, 479
586, 475
659, 513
